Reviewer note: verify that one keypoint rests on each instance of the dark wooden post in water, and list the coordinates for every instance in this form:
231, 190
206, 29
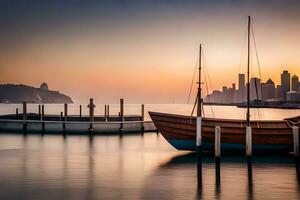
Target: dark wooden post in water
66, 117
218, 154
40, 112
24, 116
80, 111
43, 118
91, 107
248, 127
17, 113
143, 117
107, 112
198, 126
61, 116
296, 150
121, 115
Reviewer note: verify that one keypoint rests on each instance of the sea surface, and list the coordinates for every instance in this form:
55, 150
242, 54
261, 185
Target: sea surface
135, 166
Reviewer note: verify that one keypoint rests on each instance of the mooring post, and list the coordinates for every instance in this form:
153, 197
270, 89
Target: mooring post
17, 113
121, 115
61, 116
199, 151
65, 117
24, 116
296, 149
40, 112
249, 151
91, 107
43, 118
218, 154
107, 112
143, 117
80, 111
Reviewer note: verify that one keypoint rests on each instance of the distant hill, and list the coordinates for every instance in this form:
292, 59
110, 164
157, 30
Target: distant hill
10, 93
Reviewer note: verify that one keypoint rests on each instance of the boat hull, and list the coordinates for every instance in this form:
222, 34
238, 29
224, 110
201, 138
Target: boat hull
180, 132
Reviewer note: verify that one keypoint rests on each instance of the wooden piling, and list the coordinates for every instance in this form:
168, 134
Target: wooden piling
218, 154
121, 115
61, 116
80, 111
24, 116
107, 112
40, 112
43, 118
143, 117
17, 113
199, 151
91, 115
65, 117
296, 150
249, 151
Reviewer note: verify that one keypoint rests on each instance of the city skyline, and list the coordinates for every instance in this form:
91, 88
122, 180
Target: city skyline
287, 90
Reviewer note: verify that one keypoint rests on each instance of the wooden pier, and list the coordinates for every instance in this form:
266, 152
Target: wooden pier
64, 123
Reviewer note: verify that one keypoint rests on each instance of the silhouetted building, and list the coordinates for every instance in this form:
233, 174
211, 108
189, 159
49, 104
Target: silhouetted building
295, 83
278, 91
285, 83
268, 90
44, 86
293, 96
241, 93
255, 89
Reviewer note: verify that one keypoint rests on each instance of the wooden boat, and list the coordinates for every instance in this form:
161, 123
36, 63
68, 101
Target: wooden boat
180, 132
189, 133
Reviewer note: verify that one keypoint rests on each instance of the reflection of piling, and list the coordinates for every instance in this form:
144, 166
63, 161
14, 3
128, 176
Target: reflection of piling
24, 116
218, 153
199, 151
80, 111
296, 149
249, 151
121, 115
143, 117
43, 118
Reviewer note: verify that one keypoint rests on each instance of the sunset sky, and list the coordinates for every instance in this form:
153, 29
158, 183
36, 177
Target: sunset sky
142, 51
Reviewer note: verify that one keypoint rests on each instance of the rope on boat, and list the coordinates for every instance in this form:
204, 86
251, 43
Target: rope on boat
192, 83
207, 81
294, 121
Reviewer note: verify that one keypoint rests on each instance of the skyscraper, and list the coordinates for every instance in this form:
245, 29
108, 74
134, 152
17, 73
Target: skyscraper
268, 90
241, 93
295, 83
285, 83
255, 89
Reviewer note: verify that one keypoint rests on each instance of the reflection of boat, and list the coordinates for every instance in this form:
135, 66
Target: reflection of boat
189, 158
180, 131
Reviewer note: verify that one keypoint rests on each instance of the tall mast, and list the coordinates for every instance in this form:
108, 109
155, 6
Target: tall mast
199, 103
248, 74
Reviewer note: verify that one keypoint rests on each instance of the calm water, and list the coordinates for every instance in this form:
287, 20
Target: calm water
134, 166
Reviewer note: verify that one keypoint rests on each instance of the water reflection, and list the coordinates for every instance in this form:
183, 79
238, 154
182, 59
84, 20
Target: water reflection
131, 167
